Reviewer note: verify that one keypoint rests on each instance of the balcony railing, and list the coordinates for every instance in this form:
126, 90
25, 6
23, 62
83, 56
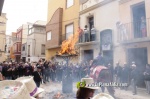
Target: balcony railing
82, 38
134, 31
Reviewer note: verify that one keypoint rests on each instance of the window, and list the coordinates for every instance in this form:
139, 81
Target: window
69, 3
43, 49
19, 47
49, 35
69, 30
30, 29
23, 48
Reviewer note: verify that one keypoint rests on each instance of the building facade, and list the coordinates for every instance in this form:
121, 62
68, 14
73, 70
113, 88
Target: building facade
100, 16
3, 22
63, 20
8, 47
36, 38
18, 39
134, 35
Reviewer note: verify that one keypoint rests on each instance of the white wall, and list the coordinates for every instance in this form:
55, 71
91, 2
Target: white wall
105, 17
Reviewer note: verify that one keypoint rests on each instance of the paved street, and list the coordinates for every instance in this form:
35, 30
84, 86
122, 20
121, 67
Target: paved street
52, 88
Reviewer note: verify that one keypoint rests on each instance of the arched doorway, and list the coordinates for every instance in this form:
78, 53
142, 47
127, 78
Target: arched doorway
106, 46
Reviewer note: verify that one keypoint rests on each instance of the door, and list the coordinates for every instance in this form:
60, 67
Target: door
88, 55
139, 56
108, 57
138, 11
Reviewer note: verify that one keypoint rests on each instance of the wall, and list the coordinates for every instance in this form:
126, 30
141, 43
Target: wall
24, 33
51, 52
55, 29
93, 47
126, 17
104, 18
3, 19
35, 40
70, 15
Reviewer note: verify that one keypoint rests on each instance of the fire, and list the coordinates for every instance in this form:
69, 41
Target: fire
68, 46
58, 96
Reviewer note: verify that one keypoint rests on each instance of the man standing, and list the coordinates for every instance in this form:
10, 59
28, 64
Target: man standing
117, 72
80, 34
134, 75
37, 76
86, 34
147, 78
93, 33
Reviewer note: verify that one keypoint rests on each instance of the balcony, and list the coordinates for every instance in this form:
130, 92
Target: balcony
134, 32
80, 41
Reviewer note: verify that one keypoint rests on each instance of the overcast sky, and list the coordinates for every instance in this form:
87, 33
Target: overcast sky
22, 11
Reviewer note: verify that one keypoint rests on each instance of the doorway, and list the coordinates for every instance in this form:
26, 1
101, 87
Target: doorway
88, 55
108, 57
139, 56
138, 11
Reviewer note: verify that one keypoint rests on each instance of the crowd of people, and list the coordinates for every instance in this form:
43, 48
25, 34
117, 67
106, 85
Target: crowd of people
45, 71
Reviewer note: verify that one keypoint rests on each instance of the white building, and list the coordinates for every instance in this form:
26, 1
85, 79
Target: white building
25, 30
103, 15
36, 41
8, 46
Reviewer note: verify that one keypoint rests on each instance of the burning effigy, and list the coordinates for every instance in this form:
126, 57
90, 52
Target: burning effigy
68, 46
68, 52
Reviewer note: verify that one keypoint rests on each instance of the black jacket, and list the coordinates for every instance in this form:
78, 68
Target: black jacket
37, 77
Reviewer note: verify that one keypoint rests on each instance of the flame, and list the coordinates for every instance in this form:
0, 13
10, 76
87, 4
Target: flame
68, 46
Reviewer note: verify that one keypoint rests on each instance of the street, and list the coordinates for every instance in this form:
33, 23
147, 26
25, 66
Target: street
52, 88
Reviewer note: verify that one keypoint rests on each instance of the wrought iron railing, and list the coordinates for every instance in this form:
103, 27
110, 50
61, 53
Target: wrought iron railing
133, 30
82, 38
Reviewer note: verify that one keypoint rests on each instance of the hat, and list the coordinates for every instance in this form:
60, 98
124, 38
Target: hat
102, 96
10, 89
133, 65
89, 83
31, 86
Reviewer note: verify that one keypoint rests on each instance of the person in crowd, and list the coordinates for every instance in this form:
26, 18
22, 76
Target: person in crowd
37, 76
147, 78
110, 67
117, 72
46, 72
134, 76
100, 59
93, 33
86, 92
86, 34
1, 67
20, 69
143, 27
1, 76
124, 75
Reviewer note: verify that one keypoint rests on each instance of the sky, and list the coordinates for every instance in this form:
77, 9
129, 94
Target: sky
22, 11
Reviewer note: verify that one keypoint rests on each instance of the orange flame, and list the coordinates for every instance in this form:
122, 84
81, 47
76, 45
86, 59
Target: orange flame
68, 46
